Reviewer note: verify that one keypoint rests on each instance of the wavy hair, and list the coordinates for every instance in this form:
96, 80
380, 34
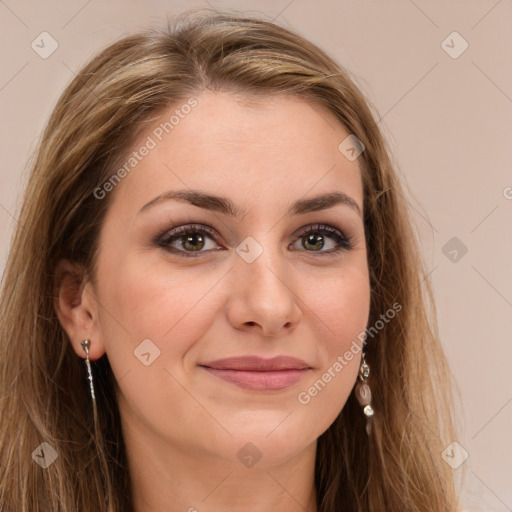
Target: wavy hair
44, 395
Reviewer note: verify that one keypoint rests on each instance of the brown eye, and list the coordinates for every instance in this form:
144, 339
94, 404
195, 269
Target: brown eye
313, 239
193, 242
314, 242
187, 240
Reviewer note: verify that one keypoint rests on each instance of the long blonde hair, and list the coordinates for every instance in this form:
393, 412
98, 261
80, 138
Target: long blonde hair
44, 397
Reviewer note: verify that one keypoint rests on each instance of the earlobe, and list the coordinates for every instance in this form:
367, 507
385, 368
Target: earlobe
76, 309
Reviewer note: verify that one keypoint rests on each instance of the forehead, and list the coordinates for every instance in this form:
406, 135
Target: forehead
273, 148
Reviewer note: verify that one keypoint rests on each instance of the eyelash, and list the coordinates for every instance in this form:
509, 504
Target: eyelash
166, 238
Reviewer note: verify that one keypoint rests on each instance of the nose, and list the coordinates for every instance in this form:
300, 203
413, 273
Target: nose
263, 297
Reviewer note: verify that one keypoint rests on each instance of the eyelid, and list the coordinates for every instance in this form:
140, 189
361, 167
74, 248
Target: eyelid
320, 227
185, 228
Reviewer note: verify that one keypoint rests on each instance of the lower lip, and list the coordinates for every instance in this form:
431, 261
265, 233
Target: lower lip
260, 381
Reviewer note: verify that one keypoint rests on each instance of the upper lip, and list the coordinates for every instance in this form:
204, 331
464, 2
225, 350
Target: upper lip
256, 363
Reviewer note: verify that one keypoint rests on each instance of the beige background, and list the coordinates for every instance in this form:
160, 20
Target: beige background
449, 121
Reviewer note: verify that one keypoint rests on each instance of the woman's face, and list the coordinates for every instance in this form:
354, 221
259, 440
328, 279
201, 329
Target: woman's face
255, 284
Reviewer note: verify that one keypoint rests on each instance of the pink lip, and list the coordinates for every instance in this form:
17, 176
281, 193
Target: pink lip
256, 373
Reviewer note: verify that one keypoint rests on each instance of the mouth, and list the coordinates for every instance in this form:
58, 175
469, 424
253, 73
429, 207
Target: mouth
259, 374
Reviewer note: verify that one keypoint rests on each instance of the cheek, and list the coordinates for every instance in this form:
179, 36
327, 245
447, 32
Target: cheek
340, 311
169, 307
342, 306
152, 318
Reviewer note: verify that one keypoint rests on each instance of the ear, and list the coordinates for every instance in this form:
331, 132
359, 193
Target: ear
76, 308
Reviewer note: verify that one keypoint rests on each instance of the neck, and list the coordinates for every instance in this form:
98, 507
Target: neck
167, 477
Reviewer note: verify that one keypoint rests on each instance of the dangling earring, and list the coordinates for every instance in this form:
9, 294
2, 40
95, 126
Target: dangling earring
85, 345
364, 393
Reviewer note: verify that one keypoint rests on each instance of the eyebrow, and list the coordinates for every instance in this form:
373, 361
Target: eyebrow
227, 207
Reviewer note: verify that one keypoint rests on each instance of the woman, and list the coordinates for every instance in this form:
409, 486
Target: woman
213, 235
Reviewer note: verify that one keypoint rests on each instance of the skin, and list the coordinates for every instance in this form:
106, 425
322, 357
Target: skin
183, 427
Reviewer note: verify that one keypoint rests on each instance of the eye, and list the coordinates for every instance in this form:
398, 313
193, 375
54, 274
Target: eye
192, 238
313, 237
